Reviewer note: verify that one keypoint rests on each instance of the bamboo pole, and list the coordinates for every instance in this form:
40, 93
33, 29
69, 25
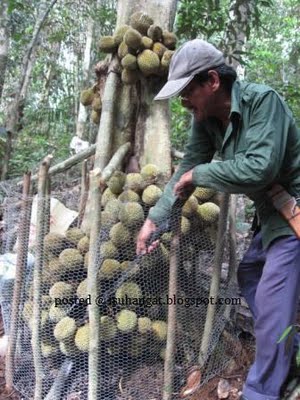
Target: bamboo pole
215, 282
22, 252
37, 276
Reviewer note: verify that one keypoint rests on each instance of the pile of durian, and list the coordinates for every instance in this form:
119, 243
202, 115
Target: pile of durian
131, 330
142, 47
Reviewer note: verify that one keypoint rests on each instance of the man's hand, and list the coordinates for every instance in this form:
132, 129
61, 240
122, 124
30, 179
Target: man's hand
184, 186
147, 229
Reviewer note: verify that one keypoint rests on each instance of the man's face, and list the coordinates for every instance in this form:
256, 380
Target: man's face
198, 99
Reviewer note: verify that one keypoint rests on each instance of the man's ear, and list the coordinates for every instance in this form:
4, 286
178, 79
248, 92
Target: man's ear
214, 80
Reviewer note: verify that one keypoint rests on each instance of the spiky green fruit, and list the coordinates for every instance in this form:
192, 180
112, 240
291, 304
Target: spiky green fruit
151, 195
147, 43
209, 212
130, 290
160, 330
141, 22
119, 234
150, 172
82, 338
169, 40
113, 206
129, 77
116, 182
54, 243
95, 116
108, 328
61, 290
134, 181
55, 266
190, 207
133, 39
131, 215
185, 225
123, 50
74, 235
126, 321
49, 350
97, 104
87, 97
148, 62
82, 289
108, 219
120, 32
108, 250
65, 329
203, 194
107, 195
83, 245
159, 49
107, 44
129, 195
57, 313
144, 325
71, 259
68, 348
166, 59
155, 32
109, 268
129, 62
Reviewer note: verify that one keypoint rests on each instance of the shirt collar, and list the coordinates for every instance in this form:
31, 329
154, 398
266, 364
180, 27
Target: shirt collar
235, 100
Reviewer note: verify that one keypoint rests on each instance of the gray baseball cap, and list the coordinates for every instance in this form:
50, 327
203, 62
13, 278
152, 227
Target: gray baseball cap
189, 60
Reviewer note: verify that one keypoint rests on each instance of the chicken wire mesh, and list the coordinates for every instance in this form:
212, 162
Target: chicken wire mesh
133, 298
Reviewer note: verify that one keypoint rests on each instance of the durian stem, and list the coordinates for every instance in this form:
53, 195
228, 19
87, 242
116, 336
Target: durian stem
41, 224
84, 192
171, 336
93, 289
22, 253
67, 164
215, 281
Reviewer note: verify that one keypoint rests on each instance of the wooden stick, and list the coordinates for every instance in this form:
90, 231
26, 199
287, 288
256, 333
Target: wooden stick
84, 192
37, 277
93, 287
215, 281
22, 255
115, 161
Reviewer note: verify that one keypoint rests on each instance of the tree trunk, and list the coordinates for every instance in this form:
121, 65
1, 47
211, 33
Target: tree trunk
4, 42
15, 109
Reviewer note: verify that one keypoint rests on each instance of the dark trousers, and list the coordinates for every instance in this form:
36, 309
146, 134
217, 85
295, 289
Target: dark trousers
270, 282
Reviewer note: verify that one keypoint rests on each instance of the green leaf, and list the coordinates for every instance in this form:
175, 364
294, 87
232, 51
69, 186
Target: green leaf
291, 330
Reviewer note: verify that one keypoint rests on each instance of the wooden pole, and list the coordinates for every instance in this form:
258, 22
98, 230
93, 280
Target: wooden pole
84, 192
22, 252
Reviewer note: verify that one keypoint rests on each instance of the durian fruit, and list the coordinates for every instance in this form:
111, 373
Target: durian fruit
190, 207
87, 97
82, 338
169, 40
108, 250
49, 350
209, 212
166, 59
54, 243
148, 62
131, 214
116, 182
82, 289
109, 268
141, 21
150, 172
57, 313
166, 239
119, 33
129, 77
134, 181
160, 330
107, 195
151, 195
129, 195
113, 206
83, 245
120, 235
125, 265
185, 225
155, 32
126, 321
108, 219
159, 49
68, 348
147, 43
74, 235
97, 104
133, 39
55, 266
65, 329
131, 290
123, 50
61, 290
71, 259
108, 328
107, 44
144, 325
203, 194
95, 115
129, 62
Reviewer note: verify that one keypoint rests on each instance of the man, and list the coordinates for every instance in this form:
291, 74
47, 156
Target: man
253, 131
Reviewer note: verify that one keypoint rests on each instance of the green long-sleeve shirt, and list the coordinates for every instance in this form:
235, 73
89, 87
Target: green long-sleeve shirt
261, 146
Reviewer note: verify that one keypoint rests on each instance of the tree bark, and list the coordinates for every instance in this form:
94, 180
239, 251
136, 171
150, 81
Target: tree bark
4, 42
